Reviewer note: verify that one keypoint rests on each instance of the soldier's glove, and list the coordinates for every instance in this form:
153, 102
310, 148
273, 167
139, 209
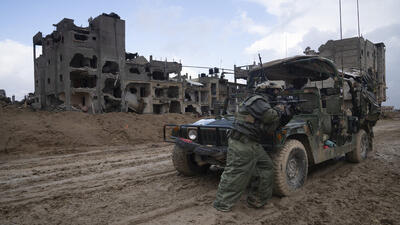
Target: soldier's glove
280, 107
286, 115
291, 109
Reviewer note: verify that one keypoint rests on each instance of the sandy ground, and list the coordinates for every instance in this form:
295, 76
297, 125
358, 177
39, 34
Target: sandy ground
23, 131
126, 183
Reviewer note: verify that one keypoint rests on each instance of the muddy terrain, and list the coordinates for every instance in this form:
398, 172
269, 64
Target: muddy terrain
111, 179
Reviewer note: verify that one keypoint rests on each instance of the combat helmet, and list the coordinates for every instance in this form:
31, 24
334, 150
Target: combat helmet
262, 87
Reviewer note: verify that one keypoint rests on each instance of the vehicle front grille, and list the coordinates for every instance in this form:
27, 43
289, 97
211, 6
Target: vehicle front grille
213, 136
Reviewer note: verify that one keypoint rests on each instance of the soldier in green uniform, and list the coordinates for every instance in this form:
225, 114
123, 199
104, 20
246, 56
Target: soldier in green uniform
247, 161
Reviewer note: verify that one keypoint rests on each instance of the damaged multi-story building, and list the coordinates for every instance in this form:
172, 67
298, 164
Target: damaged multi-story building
360, 57
88, 68
213, 93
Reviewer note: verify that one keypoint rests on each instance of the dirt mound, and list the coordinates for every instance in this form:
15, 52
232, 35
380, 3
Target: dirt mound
25, 130
391, 115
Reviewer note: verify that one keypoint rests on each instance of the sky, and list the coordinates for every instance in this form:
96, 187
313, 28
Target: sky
218, 33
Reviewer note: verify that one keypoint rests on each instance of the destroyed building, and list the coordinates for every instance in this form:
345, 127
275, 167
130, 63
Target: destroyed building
218, 92
360, 57
88, 68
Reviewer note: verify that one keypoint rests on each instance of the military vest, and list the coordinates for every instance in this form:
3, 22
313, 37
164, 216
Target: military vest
255, 117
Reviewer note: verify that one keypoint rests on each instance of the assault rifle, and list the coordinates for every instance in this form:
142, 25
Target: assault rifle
290, 104
290, 108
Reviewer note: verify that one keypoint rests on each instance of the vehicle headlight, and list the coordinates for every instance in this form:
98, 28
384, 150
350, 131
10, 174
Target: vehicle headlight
192, 134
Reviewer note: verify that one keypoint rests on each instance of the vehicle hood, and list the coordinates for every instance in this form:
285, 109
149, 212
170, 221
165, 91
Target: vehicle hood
227, 122
295, 123
218, 122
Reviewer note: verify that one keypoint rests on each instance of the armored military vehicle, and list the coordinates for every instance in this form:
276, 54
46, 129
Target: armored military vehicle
334, 117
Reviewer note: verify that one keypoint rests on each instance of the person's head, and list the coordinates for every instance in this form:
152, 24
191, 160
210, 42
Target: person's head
269, 88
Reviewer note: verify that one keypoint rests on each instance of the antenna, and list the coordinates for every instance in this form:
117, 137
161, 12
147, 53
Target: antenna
341, 38
340, 17
358, 19
341, 33
286, 45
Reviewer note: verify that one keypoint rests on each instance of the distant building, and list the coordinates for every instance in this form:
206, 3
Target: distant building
360, 56
387, 108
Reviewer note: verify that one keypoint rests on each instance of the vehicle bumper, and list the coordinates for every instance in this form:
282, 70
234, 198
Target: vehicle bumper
192, 147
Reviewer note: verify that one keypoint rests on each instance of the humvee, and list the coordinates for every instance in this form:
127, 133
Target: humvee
335, 118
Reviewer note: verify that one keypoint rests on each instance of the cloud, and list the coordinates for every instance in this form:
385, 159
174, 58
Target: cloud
297, 18
16, 68
168, 32
294, 20
247, 24
278, 42
162, 19
314, 38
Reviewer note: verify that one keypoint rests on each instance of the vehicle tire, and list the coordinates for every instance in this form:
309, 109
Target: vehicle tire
185, 164
290, 168
362, 148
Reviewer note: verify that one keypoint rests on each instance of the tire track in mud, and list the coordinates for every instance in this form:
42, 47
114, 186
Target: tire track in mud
58, 192
70, 169
69, 176
106, 156
75, 182
191, 194
156, 213
71, 154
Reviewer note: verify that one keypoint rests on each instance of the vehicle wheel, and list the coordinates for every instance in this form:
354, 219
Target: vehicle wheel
362, 148
290, 167
185, 164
